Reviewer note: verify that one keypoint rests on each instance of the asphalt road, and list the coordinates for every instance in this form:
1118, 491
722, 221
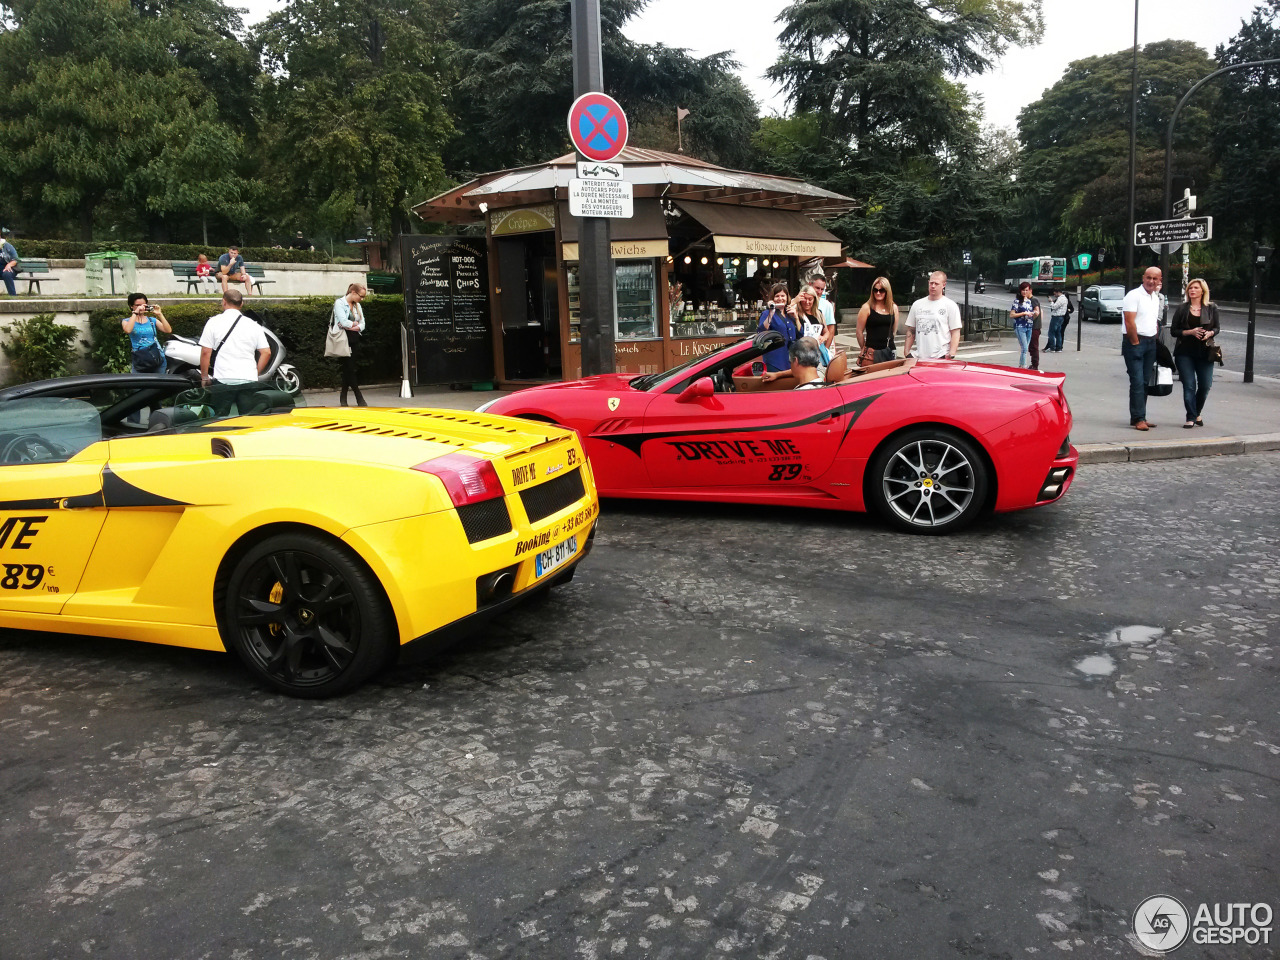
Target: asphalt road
1233, 339
738, 733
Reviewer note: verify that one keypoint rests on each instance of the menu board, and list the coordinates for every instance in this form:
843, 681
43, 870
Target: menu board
446, 307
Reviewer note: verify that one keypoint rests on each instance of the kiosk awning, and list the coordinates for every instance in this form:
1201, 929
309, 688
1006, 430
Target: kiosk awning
761, 231
641, 236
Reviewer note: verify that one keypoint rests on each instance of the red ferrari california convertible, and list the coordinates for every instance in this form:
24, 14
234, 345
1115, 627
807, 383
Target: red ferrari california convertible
928, 445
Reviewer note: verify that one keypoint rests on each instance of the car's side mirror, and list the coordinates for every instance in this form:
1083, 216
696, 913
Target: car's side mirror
702, 387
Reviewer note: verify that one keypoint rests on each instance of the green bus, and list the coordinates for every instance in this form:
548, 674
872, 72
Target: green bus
1045, 273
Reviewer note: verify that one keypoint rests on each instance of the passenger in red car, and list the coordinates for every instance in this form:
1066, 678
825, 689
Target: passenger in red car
806, 356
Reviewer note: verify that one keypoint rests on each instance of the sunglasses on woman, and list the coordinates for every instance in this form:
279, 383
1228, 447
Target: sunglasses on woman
877, 289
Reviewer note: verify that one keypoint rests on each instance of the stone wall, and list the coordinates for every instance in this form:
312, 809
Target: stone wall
156, 279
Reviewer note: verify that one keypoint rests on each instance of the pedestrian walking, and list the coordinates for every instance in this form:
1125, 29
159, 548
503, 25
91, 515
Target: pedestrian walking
1022, 313
349, 316
1141, 309
1195, 324
1058, 306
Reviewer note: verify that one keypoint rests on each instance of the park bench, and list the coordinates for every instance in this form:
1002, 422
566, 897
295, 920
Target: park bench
383, 282
186, 271
33, 271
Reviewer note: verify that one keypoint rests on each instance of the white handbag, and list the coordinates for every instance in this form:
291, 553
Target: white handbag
335, 341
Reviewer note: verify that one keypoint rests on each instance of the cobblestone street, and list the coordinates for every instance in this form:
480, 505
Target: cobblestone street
737, 733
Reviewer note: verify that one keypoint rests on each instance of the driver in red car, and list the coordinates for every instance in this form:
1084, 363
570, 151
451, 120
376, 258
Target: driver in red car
805, 356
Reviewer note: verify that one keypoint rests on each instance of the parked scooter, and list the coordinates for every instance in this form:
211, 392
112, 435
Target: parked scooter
183, 355
979, 285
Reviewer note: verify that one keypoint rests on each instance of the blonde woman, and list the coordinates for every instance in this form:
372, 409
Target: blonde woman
1193, 327
349, 316
877, 324
804, 309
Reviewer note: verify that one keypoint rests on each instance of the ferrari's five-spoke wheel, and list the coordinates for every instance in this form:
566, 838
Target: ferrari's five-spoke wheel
928, 481
306, 616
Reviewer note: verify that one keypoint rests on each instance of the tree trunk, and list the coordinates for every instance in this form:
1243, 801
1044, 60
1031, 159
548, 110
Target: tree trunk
86, 219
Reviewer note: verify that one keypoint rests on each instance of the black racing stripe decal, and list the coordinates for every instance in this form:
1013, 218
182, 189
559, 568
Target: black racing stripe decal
634, 441
115, 492
118, 492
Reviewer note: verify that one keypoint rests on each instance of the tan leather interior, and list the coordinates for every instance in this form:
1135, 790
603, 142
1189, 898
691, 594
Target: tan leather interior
873, 371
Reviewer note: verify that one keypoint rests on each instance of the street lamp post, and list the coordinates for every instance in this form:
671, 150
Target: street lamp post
1133, 156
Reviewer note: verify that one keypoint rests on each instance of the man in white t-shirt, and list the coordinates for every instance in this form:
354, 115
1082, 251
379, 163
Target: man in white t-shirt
826, 308
236, 338
933, 324
1138, 348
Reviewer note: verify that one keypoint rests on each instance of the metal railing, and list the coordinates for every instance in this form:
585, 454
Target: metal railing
984, 323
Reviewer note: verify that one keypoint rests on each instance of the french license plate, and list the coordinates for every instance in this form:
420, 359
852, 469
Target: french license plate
548, 560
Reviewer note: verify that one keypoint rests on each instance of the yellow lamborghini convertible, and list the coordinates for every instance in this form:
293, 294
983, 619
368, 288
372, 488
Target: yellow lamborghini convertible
315, 543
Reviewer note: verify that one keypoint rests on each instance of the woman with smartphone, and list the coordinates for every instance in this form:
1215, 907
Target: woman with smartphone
144, 325
775, 317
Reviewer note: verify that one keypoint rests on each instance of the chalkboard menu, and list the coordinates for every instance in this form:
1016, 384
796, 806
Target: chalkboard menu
446, 306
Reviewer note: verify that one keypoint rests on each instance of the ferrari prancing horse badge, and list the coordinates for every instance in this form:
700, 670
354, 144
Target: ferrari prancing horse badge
614, 403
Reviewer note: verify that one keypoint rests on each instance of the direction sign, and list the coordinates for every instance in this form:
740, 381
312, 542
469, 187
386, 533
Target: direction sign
1187, 230
968, 257
597, 126
601, 198
1082, 261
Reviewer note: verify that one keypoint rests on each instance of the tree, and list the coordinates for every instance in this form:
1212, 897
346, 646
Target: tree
514, 63
98, 93
878, 72
1075, 142
1245, 195
354, 109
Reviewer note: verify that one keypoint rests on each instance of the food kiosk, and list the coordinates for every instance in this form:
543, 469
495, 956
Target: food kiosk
691, 266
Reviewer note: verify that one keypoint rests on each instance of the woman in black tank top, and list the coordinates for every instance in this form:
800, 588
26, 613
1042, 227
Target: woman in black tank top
877, 324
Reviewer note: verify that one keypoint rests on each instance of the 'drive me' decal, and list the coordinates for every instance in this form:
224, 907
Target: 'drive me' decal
735, 451
851, 411
17, 532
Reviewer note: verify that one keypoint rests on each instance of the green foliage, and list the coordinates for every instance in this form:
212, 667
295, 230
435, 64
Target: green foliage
38, 348
75, 250
513, 60
1075, 142
355, 93
1245, 196
300, 324
875, 71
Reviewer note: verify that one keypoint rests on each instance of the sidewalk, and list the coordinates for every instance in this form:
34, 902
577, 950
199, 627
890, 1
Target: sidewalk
1239, 418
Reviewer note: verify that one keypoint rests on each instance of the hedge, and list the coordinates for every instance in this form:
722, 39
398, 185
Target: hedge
76, 249
300, 325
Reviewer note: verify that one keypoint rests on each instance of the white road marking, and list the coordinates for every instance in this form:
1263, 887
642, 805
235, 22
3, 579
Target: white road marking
1245, 333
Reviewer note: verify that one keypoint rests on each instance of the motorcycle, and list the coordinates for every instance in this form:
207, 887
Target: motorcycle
980, 285
183, 356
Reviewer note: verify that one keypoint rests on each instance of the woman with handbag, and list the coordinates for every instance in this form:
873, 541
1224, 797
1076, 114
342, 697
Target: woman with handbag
345, 327
1194, 325
144, 325
877, 324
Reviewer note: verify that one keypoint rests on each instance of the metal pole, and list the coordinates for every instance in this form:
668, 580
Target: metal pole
595, 260
1133, 157
1079, 301
967, 325
1253, 316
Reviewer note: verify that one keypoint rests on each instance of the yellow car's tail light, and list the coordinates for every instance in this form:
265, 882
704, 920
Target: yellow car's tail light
467, 479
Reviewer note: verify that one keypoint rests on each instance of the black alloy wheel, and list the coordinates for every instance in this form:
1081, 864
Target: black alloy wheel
306, 616
928, 480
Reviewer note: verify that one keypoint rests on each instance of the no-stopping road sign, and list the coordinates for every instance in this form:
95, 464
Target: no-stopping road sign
597, 126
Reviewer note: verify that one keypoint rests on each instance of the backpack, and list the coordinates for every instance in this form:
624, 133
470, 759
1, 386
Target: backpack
1071, 307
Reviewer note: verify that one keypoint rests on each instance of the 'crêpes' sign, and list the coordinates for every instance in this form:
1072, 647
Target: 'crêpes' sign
446, 306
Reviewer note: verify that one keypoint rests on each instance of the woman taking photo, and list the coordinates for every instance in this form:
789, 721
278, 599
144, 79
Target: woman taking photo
1193, 327
877, 324
775, 317
144, 325
348, 316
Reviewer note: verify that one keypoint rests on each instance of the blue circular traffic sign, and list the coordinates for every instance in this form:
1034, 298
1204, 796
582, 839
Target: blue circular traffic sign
597, 126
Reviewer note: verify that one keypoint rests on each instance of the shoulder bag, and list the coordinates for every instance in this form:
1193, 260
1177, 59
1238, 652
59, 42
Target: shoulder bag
213, 357
336, 344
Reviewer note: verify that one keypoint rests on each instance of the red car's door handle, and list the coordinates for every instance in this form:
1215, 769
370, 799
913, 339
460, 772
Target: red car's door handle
830, 417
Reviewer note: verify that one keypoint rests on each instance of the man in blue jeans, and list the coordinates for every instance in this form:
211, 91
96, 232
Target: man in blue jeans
1141, 324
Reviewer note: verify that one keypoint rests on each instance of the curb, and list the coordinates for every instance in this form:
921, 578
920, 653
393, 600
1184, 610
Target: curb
1176, 449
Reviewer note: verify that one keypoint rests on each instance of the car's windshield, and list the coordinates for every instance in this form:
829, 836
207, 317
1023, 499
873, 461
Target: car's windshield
657, 381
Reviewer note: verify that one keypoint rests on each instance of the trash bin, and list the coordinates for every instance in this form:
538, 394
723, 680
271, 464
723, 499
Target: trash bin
100, 271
